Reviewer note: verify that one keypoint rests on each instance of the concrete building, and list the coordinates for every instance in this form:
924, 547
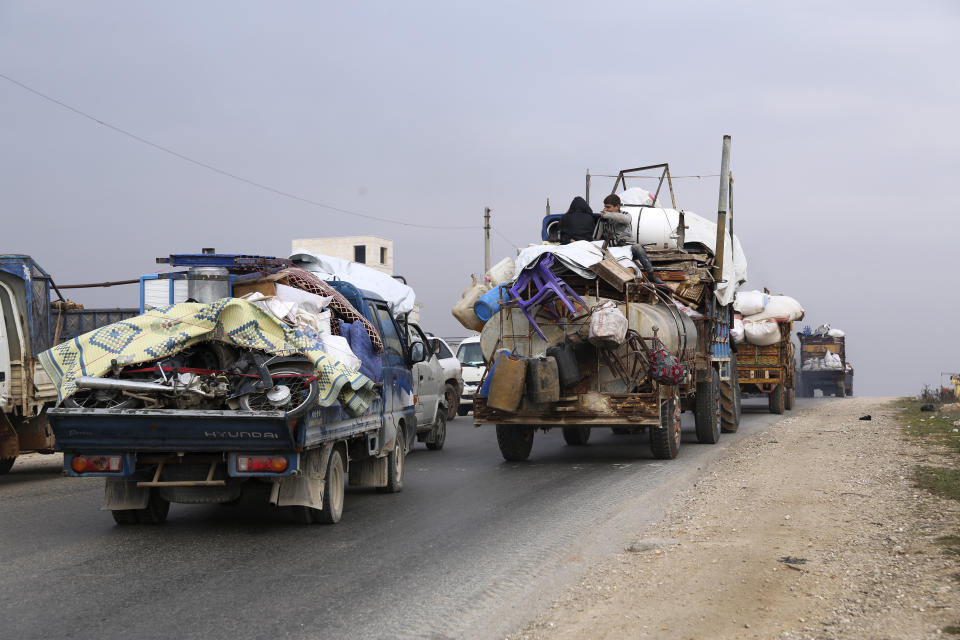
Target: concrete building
373, 251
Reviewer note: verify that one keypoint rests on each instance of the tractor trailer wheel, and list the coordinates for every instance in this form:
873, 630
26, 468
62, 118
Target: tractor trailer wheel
707, 411
515, 442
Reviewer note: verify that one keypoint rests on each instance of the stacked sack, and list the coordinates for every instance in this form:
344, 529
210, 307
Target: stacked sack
758, 314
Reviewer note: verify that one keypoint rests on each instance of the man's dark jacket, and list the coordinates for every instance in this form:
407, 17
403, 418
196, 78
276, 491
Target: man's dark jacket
578, 222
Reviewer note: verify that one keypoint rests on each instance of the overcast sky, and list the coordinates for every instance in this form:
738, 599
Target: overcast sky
843, 117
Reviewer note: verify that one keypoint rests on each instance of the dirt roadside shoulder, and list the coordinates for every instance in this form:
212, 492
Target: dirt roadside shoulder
812, 528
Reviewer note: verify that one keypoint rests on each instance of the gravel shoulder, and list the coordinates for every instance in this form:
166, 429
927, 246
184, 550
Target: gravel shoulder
811, 529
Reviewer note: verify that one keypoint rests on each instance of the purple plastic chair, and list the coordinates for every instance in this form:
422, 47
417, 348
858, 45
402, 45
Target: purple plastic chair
545, 285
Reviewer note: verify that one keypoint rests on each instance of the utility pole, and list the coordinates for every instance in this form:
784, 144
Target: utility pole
587, 191
486, 239
722, 208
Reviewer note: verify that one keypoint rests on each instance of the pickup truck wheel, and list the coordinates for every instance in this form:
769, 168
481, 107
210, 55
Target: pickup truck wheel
665, 439
576, 436
789, 399
515, 442
775, 399
124, 516
6, 464
707, 411
453, 401
439, 432
156, 511
333, 491
395, 465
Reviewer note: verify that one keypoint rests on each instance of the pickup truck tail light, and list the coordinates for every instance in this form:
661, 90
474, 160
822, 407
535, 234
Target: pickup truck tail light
97, 464
267, 464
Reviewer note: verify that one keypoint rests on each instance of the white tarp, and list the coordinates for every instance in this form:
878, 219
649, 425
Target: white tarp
577, 256
399, 296
656, 225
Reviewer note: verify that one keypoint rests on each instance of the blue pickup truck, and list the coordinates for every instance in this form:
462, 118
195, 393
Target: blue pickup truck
296, 461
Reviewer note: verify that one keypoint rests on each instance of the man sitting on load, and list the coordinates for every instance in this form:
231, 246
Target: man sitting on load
616, 227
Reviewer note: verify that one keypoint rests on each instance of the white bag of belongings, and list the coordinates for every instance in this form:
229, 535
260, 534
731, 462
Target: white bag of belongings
608, 325
836, 333
501, 273
781, 307
749, 303
736, 331
762, 333
832, 361
338, 348
463, 309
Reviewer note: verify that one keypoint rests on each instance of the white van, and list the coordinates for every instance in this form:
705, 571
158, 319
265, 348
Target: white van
473, 367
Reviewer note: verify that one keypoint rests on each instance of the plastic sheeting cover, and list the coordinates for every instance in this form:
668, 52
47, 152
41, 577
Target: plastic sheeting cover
400, 297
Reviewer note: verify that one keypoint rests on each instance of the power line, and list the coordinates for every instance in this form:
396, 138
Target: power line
210, 167
605, 175
509, 241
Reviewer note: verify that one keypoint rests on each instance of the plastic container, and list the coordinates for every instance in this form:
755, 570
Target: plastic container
506, 388
543, 380
489, 303
567, 368
463, 309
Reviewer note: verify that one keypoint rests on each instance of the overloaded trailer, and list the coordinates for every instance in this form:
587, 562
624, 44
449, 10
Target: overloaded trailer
546, 367
29, 324
824, 365
769, 369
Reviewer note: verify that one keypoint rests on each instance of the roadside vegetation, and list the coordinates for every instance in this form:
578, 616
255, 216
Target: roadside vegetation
940, 430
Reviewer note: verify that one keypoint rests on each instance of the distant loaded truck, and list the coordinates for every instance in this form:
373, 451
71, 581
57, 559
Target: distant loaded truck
29, 324
824, 365
769, 369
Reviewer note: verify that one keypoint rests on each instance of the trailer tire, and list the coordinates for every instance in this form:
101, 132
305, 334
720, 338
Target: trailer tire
775, 400
789, 399
665, 439
707, 412
463, 409
730, 399
515, 442
576, 436
439, 432
333, 490
621, 431
6, 464
395, 465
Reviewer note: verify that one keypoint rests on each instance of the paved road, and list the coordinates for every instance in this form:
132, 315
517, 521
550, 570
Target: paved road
471, 548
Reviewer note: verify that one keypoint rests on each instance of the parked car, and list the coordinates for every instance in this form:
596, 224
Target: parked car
452, 374
429, 386
473, 368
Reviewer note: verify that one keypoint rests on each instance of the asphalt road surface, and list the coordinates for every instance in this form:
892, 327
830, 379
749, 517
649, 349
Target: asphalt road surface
471, 548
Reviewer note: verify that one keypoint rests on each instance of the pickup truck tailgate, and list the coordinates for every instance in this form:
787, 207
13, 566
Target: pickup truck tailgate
169, 430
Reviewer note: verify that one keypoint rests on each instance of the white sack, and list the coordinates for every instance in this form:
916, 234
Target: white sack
750, 303
763, 333
736, 331
836, 333
399, 297
608, 325
501, 273
783, 307
338, 348
832, 361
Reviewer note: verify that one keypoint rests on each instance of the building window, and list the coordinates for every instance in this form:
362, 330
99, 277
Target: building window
360, 253
383, 255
